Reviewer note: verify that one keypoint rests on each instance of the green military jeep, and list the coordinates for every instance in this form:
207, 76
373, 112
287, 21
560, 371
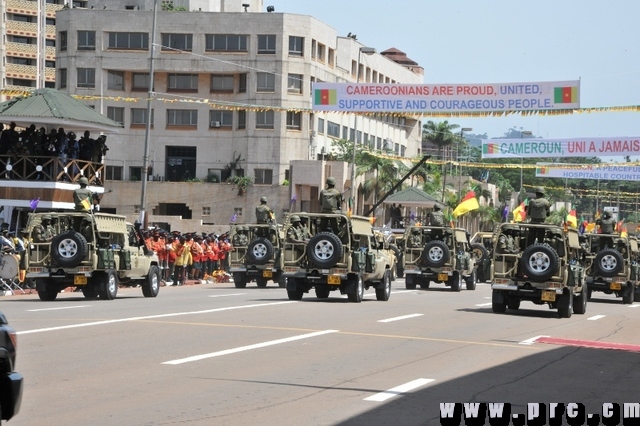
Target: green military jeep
259, 258
611, 265
482, 248
95, 252
342, 254
550, 272
438, 254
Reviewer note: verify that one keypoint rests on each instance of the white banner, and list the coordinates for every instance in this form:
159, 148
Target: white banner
421, 98
573, 147
591, 171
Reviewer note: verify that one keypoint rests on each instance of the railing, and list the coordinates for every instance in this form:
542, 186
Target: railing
51, 169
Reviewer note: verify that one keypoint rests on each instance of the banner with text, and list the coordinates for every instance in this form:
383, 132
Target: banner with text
591, 171
574, 147
421, 98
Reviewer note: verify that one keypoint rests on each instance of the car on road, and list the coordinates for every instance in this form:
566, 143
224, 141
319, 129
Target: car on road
549, 272
256, 255
611, 265
440, 255
11, 382
342, 254
95, 252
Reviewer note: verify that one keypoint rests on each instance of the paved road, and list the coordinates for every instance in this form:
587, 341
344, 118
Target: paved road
216, 355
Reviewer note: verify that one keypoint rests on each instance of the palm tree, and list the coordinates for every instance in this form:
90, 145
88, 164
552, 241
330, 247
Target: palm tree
489, 217
440, 134
385, 174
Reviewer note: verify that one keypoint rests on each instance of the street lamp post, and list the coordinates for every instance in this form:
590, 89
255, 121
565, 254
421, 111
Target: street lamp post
352, 190
522, 135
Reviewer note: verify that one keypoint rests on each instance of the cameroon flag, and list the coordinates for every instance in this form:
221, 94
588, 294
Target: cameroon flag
469, 203
565, 95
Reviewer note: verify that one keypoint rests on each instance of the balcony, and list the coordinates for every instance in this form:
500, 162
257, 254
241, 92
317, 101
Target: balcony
29, 29
49, 169
23, 50
23, 7
28, 72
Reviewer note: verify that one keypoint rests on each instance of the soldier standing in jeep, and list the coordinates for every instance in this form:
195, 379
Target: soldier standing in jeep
606, 224
537, 211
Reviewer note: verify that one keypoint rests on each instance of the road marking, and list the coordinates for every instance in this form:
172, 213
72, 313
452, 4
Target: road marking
176, 314
400, 318
230, 294
248, 348
393, 292
484, 304
633, 306
398, 390
595, 317
57, 309
530, 341
590, 344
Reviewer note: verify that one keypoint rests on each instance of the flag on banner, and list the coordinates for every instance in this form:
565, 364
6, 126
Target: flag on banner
34, 204
519, 213
469, 203
326, 97
234, 217
505, 213
565, 95
571, 218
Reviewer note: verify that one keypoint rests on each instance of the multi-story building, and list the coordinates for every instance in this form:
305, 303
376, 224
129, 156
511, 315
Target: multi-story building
231, 97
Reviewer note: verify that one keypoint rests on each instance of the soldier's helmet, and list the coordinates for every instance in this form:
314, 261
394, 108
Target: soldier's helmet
415, 230
606, 215
437, 207
83, 181
511, 228
263, 199
295, 218
46, 217
540, 190
331, 180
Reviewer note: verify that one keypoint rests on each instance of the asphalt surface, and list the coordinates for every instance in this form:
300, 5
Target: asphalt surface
212, 354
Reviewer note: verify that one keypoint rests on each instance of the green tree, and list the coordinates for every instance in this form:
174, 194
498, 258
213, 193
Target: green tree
440, 134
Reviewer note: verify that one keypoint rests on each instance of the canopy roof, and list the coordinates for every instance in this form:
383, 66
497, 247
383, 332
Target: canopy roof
52, 108
413, 197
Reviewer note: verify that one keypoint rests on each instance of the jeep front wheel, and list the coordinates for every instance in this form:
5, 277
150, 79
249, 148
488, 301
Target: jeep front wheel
539, 261
68, 249
435, 253
324, 249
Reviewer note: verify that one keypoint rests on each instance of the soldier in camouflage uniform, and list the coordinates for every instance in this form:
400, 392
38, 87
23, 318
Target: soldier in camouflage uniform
415, 239
297, 233
264, 213
607, 225
43, 232
330, 202
241, 239
507, 240
537, 211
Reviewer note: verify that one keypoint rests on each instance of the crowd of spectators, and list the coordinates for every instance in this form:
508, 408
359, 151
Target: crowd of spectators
65, 146
189, 256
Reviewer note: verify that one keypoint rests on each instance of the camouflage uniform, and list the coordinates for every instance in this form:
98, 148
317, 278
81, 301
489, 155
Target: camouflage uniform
537, 211
330, 200
607, 226
43, 232
415, 239
240, 239
436, 218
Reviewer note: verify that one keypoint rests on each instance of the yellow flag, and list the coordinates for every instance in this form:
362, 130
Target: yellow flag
86, 204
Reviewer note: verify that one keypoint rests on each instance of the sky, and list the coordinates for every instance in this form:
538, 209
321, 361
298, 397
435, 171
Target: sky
499, 41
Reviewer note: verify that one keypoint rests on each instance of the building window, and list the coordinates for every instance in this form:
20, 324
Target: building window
242, 119
116, 114
237, 212
129, 41
242, 83
206, 211
293, 120
294, 83
321, 126
86, 77
266, 44
333, 129
266, 82
320, 52
226, 42
220, 118
140, 81
62, 40
175, 42
180, 163
222, 83
296, 45
86, 40
214, 175
135, 173
345, 133
313, 49
265, 120
115, 80
62, 78
331, 60
113, 173
139, 116
183, 82
182, 117
378, 143
263, 177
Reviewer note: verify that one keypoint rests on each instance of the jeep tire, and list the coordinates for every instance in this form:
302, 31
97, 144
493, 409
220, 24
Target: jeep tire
471, 280
151, 285
384, 291
498, 303
239, 280
608, 262
539, 262
564, 303
580, 301
324, 249
69, 249
357, 291
455, 281
435, 254
259, 251
107, 282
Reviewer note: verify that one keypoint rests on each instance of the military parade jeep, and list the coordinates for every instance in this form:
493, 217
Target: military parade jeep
438, 254
95, 252
611, 265
550, 271
482, 248
258, 258
342, 254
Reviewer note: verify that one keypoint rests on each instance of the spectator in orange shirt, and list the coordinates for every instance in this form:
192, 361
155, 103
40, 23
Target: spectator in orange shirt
171, 260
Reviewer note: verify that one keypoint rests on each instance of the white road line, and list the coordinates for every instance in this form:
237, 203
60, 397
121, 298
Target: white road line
392, 292
176, 314
57, 309
247, 348
230, 294
400, 318
484, 304
595, 317
530, 341
398, 390
633, 306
